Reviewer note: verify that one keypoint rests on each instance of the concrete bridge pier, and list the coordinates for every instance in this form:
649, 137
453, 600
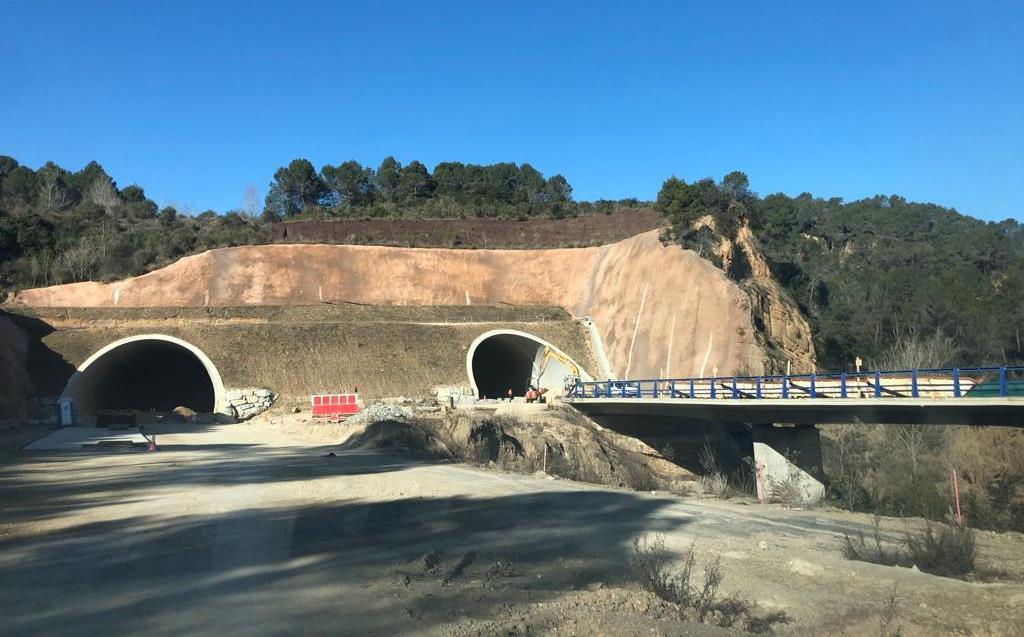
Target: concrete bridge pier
788, 461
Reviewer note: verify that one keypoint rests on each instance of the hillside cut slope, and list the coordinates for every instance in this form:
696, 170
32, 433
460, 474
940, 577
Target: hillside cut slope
14, 379
660, 310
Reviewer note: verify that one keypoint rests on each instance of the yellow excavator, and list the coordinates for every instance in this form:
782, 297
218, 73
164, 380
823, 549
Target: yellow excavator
536, 392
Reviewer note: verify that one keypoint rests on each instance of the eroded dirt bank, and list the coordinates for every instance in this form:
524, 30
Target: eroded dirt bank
660, 310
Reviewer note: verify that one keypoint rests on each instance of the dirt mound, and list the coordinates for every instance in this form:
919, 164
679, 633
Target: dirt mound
559, 442
183, 414
14, 379
587, 230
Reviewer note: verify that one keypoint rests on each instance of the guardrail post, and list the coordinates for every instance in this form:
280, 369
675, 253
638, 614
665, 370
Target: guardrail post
713, 379
758, 382
691, 388
812, 385
785, 386
842, 385
654, 392
878, 384
913, 383
1002, 382
956, 382
608, 389
622, 388
735, 392
672, 389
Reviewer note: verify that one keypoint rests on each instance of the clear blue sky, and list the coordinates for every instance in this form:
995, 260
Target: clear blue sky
194, 101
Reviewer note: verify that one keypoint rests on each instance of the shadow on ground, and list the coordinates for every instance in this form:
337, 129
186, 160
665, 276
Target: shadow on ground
310, 569
40, 484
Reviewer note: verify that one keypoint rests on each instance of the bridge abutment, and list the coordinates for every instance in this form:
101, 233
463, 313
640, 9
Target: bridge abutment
788, 461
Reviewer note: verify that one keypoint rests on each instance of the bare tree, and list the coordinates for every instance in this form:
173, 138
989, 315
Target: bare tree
52, 193
910, 351
79, 261
102, 193
251, 201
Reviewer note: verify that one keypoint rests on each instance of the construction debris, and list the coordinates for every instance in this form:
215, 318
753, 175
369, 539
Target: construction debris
379, 412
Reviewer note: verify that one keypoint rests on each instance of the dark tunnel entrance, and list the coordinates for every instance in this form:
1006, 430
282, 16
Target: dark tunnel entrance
501, 364
501, 360
144, 375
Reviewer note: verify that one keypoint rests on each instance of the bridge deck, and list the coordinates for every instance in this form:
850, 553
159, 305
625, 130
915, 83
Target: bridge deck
955, 396
818, 411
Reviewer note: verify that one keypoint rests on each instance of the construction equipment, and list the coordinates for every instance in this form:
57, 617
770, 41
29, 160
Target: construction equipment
549, 353
535, 395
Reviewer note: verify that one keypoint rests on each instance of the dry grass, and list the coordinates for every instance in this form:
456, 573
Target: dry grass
887, 626
712, 480
876, 550
946, 550
697, 599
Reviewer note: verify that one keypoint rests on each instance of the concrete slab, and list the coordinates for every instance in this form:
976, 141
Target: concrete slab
72, 438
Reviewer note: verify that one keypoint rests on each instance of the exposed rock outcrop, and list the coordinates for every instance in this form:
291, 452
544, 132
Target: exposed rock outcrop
779, 325
785, 332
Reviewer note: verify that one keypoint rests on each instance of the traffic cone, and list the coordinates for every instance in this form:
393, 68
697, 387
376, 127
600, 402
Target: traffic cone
152, 443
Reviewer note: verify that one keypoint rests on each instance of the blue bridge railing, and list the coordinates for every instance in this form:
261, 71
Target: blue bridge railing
954, 382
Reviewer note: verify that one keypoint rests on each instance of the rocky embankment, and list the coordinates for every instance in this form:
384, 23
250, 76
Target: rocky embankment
246, 403
780, 328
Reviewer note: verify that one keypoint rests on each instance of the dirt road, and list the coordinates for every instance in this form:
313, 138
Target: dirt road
246, 530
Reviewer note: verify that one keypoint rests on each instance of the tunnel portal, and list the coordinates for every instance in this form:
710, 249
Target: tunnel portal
146, 373
501, 360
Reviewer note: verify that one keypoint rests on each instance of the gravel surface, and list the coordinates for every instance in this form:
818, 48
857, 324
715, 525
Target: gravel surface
246, 530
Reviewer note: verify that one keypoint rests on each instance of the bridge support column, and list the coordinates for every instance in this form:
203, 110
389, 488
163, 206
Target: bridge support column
788, 461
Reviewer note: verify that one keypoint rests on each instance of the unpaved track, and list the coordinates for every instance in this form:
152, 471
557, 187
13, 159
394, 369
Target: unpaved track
242, 530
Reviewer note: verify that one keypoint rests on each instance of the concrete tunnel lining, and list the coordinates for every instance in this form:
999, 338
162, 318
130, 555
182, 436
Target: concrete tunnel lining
146, 365
503, 359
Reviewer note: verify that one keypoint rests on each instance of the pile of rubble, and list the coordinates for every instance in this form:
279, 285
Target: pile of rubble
243, 404
378, 412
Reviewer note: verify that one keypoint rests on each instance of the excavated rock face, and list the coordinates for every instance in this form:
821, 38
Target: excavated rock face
780, 326
785, 332
660, 310
14, 379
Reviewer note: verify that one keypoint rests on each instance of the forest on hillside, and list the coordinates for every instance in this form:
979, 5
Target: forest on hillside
61, 226
870, 273
452, 190
902, 285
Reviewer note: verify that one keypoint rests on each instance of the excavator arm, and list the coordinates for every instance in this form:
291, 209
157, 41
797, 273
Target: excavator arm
549, 353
